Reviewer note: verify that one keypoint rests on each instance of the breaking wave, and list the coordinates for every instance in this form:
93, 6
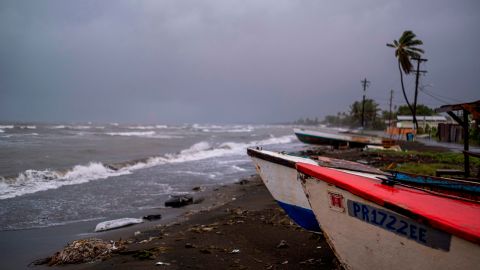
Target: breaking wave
141, 127
133, 133
147, 127
145, 134
228, 129
80, 127
31, 181
57, 127
28, 127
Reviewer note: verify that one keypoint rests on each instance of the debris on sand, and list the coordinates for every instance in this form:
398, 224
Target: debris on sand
282, 244
242, 182
116, 223
198, 188
85, 250
179, 200
152, 217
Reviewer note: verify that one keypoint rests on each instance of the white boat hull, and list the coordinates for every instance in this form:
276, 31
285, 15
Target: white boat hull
282, 183
362, 240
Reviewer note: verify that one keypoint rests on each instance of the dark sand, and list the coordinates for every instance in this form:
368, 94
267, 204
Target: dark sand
244, 230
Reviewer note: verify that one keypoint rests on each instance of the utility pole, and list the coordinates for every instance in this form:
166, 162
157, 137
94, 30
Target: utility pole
390, 113
365, 84
417, 72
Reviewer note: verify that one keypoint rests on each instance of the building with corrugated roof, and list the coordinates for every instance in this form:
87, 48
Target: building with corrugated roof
406, 121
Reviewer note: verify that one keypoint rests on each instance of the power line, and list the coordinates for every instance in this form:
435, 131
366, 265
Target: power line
441, 96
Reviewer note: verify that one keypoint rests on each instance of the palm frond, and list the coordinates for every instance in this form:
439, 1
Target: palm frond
406, 36
414, 42
416, 49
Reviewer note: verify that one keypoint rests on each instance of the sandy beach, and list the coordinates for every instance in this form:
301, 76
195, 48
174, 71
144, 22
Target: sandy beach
239, 226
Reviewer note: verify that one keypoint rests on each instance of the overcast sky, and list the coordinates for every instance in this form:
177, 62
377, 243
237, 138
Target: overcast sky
225, 61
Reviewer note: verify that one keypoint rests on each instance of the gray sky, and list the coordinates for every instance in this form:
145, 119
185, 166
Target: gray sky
224, 61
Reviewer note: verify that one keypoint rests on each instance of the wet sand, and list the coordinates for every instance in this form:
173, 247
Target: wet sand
237, 227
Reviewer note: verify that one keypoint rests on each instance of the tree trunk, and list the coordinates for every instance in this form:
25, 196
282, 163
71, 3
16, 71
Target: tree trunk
403, 88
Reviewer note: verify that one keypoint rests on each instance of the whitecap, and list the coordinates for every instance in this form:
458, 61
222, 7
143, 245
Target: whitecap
141, 127
236, 168
58, 127
31, 181
28, 127
133, 133
80, 127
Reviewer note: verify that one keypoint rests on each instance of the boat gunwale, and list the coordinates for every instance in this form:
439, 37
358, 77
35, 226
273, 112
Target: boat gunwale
259, 154
420, 215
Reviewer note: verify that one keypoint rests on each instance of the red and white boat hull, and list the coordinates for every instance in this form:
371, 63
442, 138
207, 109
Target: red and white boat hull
366, 235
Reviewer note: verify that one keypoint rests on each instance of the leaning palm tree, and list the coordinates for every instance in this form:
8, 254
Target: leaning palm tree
405, 49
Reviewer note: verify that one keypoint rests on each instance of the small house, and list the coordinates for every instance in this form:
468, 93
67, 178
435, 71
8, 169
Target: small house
406, 121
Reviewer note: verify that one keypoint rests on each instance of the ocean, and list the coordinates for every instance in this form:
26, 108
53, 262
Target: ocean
57, 174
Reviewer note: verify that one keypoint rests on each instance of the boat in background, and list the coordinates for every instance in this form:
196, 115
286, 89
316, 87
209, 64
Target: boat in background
337, 139
372, 224
449, 186
279, 175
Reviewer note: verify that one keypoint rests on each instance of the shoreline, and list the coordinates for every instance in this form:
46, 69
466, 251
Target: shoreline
19, 249
238, 226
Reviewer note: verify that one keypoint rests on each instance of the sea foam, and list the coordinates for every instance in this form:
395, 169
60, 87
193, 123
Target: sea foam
28, 127
31, 181
132, 133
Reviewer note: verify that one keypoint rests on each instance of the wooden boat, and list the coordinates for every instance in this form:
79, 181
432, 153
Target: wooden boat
455, 187
336, 139
279, 175
116, 223
372, 224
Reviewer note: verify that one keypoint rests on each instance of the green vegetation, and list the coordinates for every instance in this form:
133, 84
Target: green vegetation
374, 117
423, 162
421, 110
425, 169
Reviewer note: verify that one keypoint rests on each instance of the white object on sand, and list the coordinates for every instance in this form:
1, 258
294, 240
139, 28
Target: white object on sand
116, 223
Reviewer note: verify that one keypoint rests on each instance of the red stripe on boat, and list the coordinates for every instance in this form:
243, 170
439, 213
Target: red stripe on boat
460, 218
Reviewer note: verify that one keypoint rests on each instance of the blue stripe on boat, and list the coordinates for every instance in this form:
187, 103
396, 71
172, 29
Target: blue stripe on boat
302, 216
437, 181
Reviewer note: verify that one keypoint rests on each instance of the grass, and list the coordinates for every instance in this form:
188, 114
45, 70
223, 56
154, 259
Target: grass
425, 163
425, 168
435, 157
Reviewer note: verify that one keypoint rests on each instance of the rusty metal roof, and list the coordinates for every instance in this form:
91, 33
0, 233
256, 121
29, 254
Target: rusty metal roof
471, 107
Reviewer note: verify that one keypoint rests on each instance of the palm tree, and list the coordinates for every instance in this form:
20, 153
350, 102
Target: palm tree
405, 49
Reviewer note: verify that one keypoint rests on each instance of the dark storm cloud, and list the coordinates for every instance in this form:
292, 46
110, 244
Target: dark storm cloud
223, 61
